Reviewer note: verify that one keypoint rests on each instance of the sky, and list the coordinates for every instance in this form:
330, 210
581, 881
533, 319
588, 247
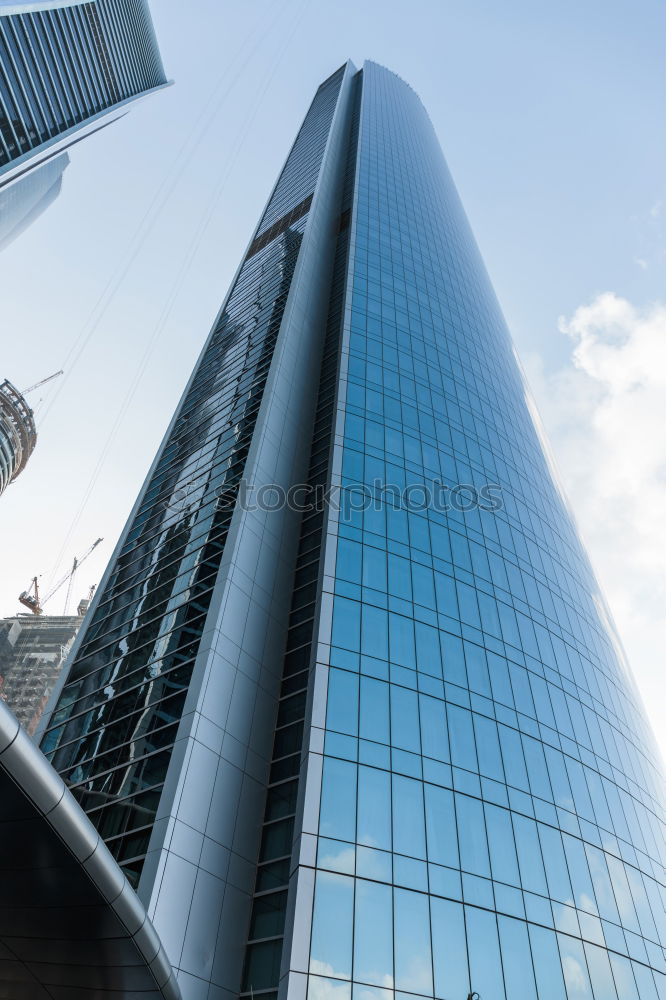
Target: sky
551, 119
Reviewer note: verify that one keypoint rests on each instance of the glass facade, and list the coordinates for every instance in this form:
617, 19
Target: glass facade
25, 200
267, 923
490, 815
63, 64
113, 730
462, 796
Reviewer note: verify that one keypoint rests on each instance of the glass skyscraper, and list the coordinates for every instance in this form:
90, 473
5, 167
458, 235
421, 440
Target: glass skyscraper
67, 69
348, 708
24, 201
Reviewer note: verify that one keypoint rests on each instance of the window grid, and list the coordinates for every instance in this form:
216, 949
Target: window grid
264, 950
110, 739
491, 811
59, 67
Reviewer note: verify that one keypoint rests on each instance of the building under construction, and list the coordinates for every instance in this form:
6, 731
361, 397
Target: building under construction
33, 649
18, 435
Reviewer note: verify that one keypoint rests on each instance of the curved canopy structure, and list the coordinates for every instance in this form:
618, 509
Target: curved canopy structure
71, 926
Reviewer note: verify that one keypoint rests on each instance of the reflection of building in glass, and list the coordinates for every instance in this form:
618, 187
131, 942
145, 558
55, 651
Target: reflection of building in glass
18, 436
67, 69
24, 201
366, 751
32, 652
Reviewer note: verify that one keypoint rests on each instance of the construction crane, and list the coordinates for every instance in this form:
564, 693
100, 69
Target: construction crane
31, 599
84, 603
43, 382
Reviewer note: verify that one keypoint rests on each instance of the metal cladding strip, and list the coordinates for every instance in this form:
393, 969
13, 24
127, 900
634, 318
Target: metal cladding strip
43, 789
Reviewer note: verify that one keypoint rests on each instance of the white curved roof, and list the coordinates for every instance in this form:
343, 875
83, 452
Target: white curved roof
70, 923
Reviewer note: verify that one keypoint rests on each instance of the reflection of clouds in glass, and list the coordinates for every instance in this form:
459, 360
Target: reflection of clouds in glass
326, 989
624, 979
623, 897
332, 924
375, 992
601, 882
587, 904
566, 919
374, 864
575, 977
338, 860
417, 975
330, 879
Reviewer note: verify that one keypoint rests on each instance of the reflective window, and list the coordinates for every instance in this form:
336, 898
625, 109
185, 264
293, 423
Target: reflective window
373, 940
61, 67
413, 959
332, 926
494, 748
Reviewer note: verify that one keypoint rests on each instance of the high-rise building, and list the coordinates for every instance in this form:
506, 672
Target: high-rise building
348, 708
33, 649
24, 201
67, 69
18, 435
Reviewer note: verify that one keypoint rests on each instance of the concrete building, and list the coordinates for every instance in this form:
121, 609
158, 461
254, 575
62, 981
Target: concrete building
33, 649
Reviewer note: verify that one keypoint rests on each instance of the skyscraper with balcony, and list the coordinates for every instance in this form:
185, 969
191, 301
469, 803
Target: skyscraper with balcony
348, 708
67, 69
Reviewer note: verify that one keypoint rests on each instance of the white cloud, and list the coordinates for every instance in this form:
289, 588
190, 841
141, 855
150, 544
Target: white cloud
642, 263
326, 989
341, 860
655, 210
574, 977
606, 417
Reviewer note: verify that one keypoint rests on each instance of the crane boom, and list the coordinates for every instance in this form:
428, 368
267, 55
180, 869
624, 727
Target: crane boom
35, 603
43, 382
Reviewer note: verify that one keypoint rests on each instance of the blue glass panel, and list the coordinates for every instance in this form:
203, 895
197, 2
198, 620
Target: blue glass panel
413, 959
342, 703
516, 959
332, 926
547, 964
449, 949
441, 826
574, 967
472, 836
623, 977
408, 817
374, 808
529, 855
485, 965
501, 845
490, 684
338, 800
600, 973
373, 941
